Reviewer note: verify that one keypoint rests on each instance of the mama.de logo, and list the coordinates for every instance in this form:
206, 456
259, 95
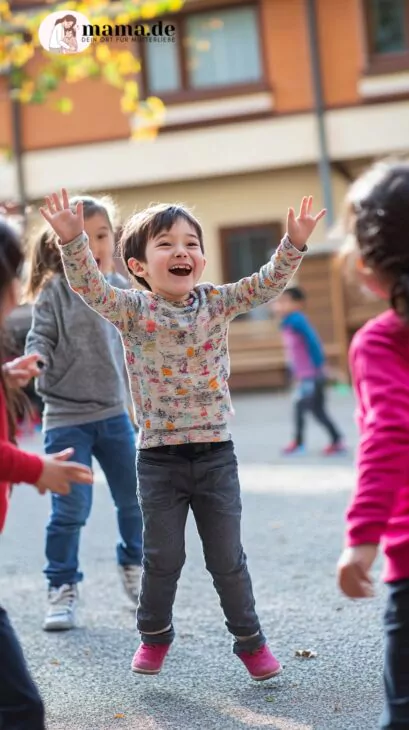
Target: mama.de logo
72, 32
63, 32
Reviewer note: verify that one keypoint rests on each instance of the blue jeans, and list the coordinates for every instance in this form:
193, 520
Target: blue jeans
112, 443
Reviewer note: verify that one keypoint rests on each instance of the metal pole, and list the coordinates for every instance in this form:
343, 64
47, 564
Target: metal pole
324, 161
17, 152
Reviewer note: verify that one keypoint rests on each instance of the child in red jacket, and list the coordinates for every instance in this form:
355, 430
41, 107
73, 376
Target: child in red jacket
20, 703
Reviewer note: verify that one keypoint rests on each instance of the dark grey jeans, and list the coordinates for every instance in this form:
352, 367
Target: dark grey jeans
204, 477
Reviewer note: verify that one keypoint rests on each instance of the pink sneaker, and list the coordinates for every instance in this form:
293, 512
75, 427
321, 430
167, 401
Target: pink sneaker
149, 658
338, 448
260, 664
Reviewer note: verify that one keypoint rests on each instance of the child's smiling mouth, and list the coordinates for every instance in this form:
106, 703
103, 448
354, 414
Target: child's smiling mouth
181, 269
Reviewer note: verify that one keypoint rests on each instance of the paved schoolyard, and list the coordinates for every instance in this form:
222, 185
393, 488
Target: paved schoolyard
292, 531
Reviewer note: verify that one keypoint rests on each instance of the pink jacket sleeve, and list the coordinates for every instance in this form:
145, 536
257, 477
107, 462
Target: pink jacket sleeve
381, 380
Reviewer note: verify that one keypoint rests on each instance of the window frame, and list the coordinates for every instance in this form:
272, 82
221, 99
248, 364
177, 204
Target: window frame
379, 63
277, 230
186, 93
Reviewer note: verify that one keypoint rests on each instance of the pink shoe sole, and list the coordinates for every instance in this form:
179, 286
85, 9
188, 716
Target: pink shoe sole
270, 675
136, 670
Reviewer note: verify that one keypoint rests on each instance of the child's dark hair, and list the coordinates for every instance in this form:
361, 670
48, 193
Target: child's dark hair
11, 263
45, 258
378, 210
148, 224
295, 293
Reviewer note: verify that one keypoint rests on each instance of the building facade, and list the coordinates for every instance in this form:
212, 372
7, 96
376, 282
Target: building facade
267, 101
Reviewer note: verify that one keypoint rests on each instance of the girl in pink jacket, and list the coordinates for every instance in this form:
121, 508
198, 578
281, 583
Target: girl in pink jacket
379, 362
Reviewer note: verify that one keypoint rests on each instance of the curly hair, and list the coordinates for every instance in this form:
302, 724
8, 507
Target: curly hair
378, 205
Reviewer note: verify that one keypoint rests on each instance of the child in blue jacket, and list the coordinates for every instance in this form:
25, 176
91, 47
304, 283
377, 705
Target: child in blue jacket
306, 359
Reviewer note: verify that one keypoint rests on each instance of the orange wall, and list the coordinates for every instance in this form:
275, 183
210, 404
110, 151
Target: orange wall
287, 54
339, 29
5, 114
96, 115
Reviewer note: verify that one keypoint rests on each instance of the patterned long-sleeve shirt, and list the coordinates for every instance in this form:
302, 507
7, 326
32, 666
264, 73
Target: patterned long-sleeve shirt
176, 353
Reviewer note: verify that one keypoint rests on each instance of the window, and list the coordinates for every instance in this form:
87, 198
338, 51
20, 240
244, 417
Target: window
388, 33
212, 50
245, 250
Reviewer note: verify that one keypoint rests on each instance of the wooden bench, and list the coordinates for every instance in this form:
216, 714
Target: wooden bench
257, 358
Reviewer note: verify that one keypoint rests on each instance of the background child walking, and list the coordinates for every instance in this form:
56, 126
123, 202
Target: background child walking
379, 360
306, 359
175, 337
20, 703
84, 389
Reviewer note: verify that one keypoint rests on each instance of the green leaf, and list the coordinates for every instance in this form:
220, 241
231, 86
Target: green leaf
112, 75
38, 97
64, 105
48, 82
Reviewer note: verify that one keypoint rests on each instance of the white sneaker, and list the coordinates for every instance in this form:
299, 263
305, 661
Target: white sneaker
131, 579
62, 603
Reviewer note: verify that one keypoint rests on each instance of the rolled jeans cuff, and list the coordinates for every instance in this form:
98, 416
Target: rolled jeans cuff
166, 637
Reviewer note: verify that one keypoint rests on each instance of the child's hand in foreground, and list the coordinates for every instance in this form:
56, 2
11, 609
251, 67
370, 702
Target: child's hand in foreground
299, 229
58, 473
66, 223
20, 371
353, 571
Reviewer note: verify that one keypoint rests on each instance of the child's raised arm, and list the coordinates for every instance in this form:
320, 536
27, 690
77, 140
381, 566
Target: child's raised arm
119, 306
274, 276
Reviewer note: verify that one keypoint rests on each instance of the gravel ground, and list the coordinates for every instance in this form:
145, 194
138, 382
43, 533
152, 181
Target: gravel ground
292, 531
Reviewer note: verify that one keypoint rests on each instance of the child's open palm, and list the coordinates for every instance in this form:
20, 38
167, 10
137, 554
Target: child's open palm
299, 229
67, 224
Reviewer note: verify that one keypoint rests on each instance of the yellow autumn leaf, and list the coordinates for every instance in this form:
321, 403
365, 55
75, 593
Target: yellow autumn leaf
149, 10
156, 105
76, 73
103, 53
119, 716
26, 91
148, 134
19, 55
122, 19
64, 106
5, 12
127, 63
175, 5
128, 105
131, 89
82, 8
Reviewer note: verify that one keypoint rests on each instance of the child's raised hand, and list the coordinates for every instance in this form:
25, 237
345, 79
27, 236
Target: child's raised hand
66, 223
353, 571
299, 229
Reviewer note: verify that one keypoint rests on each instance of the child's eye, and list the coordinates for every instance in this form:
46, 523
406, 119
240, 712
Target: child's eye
164, 243
193, 243
101, 236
